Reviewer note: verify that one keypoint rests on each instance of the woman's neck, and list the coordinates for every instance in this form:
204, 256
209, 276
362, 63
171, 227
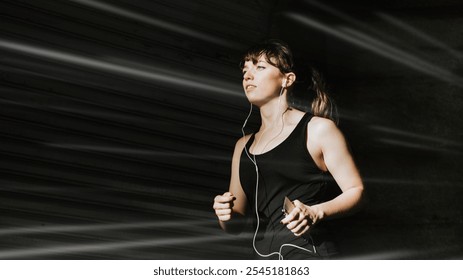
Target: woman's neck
272, 113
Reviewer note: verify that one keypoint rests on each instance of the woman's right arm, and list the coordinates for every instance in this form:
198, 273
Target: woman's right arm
230, 207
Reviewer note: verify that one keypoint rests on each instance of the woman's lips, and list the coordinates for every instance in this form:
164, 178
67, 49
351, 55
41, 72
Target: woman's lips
250, 87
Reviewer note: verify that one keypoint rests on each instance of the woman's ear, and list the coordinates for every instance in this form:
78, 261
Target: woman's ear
289, 79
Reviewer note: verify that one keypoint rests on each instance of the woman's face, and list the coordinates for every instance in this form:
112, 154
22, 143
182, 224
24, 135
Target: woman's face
261, 81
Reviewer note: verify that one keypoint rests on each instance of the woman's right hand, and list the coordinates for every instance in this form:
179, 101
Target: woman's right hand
223, 206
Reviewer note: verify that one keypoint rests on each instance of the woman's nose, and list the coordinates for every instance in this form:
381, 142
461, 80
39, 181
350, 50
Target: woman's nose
248, 75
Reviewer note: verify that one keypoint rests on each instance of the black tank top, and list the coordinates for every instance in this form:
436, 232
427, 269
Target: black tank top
286, 170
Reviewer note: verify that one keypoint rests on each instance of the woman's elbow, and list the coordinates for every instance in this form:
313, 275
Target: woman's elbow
362, 198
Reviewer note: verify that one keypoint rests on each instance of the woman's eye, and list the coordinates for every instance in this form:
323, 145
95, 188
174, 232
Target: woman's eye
260, 67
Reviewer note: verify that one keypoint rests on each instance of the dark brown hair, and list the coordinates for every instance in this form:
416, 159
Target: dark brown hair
278, 54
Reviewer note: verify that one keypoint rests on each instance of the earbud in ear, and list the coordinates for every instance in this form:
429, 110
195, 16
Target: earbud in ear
284, 83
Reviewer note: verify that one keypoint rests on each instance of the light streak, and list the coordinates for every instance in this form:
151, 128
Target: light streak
418, 33
131, 151
410, 144
111, 246
119, 69
156, 22
398, 132
377, 46
193, 225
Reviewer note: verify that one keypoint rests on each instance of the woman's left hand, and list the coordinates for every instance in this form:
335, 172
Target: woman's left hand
301, 218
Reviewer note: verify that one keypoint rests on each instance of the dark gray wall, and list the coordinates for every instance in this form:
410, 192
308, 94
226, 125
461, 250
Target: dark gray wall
118, 120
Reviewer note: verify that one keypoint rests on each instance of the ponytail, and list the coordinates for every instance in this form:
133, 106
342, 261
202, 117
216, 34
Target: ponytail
322, 104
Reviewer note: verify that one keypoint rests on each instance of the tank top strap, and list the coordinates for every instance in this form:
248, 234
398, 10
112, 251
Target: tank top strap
250, 141
301, 127
306, 118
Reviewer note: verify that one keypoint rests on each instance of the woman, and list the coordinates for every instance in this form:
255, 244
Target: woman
291, 155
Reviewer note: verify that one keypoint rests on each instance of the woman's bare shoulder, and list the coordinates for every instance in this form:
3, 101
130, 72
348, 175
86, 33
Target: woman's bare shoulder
241, 142
243, 139
321, 126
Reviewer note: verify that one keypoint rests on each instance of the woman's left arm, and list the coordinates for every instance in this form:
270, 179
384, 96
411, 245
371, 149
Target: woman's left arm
329, 143
328, 147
